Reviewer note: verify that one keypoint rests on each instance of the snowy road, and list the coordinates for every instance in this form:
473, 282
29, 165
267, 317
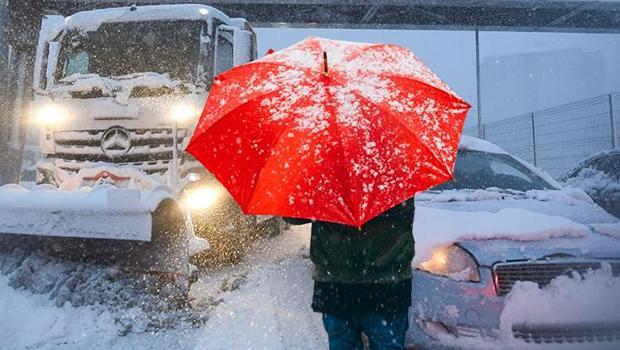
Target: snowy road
261, 303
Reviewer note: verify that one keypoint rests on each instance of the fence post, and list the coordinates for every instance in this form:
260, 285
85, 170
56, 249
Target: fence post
534, 139
478, 90
612, 122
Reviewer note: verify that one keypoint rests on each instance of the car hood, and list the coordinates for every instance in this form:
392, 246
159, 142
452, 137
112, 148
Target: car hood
499, 225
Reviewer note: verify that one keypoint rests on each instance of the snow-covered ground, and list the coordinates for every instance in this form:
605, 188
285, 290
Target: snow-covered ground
263, 303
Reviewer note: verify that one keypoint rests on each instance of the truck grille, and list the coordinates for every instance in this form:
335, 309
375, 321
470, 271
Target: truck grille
151, 149
581, 333
541, 272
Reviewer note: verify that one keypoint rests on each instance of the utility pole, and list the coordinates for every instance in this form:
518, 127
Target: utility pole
479, 102
612, 122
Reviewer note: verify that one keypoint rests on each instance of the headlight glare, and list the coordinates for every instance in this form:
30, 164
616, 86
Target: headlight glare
202, 198
49, 115
183, 112
453, 262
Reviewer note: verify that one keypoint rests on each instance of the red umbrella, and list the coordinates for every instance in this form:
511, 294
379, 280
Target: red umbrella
329, 130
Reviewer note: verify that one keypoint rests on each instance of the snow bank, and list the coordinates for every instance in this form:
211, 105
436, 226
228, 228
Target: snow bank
30, 321
263, 303
269, 310
436, 228
49, 302
592, 298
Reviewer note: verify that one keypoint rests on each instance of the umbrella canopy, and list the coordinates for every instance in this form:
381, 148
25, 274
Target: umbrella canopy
329, 130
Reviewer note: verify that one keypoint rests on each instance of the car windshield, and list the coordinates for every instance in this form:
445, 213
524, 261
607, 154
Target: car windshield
118, 49
609, 164
481, 170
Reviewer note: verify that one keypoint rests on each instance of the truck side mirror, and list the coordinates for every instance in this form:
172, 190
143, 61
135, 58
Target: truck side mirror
224, 48
243, 47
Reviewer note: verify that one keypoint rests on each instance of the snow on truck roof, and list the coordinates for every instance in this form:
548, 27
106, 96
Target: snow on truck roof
91, 20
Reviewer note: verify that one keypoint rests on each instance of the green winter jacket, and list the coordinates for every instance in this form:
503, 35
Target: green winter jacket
380, 252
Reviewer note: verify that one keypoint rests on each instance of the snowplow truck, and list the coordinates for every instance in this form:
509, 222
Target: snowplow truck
118, 93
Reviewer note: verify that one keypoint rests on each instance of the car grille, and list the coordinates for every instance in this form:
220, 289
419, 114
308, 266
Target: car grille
541, 272
567, 333
151, 149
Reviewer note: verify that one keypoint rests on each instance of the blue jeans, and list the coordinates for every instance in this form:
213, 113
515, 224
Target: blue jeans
384, 331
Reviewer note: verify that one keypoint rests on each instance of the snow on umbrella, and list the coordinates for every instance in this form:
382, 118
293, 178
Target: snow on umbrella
329, 130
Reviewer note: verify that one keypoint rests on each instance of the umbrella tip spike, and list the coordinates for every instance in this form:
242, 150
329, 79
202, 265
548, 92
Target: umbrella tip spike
325, 70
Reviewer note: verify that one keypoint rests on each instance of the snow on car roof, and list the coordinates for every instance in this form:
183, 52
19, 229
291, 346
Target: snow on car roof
476, 144
91, 20
591, 157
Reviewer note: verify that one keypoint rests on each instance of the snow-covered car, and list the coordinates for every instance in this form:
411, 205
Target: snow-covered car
507, 258
599, 177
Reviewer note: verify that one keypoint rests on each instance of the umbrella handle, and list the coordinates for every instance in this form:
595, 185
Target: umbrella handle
325, 71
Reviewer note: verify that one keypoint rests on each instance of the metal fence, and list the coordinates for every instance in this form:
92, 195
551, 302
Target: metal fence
554, 139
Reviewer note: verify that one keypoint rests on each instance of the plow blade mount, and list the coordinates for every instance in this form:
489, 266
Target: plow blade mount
137, 230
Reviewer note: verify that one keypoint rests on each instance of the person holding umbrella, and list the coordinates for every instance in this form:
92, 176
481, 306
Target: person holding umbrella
343, 134
363, 278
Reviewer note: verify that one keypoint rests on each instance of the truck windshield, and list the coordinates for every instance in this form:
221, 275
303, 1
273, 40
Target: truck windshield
118, 49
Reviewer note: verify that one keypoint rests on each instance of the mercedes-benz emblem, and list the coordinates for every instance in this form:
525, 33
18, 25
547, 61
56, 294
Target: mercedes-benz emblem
115, 142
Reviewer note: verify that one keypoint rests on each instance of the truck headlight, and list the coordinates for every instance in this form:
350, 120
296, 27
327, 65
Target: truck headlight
202, 198
49, 115
183, 112
453, 262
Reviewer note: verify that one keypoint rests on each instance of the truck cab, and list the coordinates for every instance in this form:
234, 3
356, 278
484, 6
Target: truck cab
110, 84
125, 87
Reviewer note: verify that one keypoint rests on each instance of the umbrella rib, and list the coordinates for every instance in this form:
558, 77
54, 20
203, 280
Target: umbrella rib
354, 211
360, 95
223, 117
260, 94
286, 127
452, 97
387, 112
357, 54
384, 75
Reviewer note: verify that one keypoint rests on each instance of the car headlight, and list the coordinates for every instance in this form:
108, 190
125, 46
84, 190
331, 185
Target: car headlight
202, 198
453, 262
49, 115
